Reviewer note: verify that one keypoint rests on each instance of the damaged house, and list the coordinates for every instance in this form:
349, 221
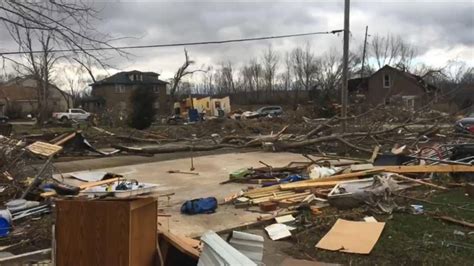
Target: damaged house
19, 98
392, 86
113, 93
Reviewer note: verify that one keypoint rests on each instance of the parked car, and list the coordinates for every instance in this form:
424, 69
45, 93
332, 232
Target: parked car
465, 125
4, 119
270, 110
72, 114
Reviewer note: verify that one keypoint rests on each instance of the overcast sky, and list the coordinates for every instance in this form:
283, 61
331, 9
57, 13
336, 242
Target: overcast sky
440, 30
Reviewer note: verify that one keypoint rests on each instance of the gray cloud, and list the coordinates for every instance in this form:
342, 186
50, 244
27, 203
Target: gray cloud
426, 25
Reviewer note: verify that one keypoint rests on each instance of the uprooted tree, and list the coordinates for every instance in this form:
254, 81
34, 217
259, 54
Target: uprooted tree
41, 27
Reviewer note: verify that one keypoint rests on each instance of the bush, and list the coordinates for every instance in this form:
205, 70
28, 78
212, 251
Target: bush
143, 112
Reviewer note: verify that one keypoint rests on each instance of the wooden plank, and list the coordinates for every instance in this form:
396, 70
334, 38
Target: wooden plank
65, 139
44, 149
279, 193
361, 167
299, 185
101, 130
337, 178
180, 244
440, 168
260, 200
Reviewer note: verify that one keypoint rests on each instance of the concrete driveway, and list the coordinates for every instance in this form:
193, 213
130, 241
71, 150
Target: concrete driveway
212, 170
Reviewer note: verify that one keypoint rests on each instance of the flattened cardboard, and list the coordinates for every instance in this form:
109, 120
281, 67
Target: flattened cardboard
352, 237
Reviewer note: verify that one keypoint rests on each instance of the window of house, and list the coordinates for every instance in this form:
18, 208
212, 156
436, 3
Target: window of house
119, 88
156, 105
156, 89
386, 81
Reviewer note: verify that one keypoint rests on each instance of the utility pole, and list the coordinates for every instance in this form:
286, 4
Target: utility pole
363, 53
345, 62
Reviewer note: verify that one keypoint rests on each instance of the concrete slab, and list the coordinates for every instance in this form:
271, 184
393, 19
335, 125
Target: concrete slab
212, 170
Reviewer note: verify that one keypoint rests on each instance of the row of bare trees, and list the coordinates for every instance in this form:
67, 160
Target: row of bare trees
303, 69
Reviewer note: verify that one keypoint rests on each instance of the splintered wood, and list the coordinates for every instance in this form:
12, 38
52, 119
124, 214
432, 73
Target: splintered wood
44, 149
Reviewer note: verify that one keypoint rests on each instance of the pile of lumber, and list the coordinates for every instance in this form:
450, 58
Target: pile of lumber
296, 192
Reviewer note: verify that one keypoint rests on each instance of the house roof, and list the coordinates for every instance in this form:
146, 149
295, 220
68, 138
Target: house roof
16, 90
123, 78
412, 77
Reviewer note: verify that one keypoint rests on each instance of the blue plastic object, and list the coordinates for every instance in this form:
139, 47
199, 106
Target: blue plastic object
193, 115
5, 227
202, 205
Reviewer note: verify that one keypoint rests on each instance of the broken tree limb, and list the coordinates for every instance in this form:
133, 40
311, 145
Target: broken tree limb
268, 138
354, 146
419, 181
172, 148
456, 221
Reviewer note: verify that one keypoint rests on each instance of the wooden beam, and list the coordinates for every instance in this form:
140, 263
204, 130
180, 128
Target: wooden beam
440, 168
300, 185
65, 139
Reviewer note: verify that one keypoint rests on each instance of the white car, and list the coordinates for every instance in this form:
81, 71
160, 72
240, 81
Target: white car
72, 114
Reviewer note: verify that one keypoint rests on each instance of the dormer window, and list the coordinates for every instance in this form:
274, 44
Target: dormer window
136, 77
386, 81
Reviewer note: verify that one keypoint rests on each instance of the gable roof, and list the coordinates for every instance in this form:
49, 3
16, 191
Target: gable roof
123, 78
417, 80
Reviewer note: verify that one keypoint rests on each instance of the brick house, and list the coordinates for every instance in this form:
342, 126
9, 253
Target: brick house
19, 98
392, 86
113, 93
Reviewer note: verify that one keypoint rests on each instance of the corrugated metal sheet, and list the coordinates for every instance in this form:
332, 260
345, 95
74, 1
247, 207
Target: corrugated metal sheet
249, 244
217, 252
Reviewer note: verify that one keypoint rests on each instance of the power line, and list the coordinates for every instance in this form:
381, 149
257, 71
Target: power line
177, 44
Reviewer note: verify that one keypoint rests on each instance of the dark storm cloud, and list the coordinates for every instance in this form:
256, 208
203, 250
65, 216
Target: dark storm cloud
428, 25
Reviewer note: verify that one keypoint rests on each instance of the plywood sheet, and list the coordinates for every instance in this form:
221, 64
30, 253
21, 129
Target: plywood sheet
44, 149
352, 237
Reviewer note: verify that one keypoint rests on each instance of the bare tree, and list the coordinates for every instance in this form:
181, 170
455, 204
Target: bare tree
391, 50
182, 72
40, 26
305, 67
256, 71
247, 78
39, 66
270, 62
287, 78
225, 78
